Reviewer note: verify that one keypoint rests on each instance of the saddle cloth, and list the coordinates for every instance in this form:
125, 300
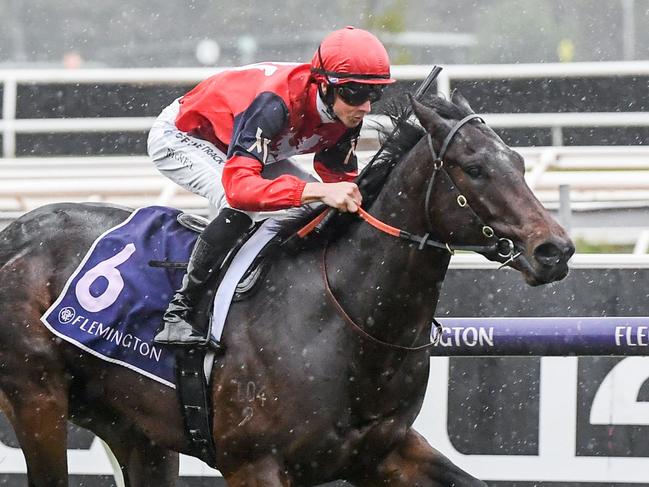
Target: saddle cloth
113, 302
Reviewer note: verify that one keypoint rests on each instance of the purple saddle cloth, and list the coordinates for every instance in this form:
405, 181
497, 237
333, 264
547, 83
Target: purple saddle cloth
113, 302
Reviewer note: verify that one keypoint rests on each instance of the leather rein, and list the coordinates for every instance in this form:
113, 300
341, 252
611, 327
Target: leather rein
504, 246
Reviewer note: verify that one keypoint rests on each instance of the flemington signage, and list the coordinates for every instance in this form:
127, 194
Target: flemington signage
544, 336
533, 416
629, 336
578, 406
462, 337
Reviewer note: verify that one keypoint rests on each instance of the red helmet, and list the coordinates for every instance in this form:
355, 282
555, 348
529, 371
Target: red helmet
351, 54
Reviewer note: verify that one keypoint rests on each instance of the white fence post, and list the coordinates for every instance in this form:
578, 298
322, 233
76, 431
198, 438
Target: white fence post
565, 210
9, 96
642, 244
444, 85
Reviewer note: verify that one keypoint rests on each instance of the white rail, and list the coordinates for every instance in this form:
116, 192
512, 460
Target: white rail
622, 175
499, 120
403, 72
578, 261
561, 120
10, 126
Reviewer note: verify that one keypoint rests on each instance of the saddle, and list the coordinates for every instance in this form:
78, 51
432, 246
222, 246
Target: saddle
250, 282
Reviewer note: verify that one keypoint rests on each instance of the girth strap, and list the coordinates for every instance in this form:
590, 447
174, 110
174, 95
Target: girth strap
195, 402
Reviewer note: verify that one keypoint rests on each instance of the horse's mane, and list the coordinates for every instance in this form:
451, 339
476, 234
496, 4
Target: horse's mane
373, 177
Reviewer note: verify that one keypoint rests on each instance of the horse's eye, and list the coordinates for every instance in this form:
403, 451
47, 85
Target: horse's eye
473, 171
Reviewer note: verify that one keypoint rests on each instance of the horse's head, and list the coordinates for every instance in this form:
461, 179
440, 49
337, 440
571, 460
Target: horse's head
489, 176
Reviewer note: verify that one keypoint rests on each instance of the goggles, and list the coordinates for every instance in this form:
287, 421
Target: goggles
358, 93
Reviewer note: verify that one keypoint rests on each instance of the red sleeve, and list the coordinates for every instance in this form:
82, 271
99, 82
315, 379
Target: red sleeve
329, 176
246, 189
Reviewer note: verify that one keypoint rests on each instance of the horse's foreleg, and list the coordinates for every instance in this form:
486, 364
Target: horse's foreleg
265, 472
143, 463
414, 463
40, 421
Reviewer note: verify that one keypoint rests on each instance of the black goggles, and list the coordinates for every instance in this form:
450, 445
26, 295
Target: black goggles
358, 93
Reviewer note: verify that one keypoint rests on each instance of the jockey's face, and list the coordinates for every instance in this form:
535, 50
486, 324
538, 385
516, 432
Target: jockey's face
350, 115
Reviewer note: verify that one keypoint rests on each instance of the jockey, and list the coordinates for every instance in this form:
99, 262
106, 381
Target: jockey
229, 140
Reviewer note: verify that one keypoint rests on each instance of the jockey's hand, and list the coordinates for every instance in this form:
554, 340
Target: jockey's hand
343, 196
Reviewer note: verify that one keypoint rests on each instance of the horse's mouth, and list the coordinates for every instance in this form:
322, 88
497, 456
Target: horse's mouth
536, 275
534, 272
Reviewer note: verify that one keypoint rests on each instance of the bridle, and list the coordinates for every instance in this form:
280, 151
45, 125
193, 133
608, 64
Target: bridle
503, 246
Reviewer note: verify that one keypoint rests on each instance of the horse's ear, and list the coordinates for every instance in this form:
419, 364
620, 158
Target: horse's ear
428, 118
459, 100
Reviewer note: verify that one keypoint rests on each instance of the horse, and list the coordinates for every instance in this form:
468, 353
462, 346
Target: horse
331, 352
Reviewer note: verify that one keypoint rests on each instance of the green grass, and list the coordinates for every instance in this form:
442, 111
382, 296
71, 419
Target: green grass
585, 247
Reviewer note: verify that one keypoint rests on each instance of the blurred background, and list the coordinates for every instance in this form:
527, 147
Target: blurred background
164, 33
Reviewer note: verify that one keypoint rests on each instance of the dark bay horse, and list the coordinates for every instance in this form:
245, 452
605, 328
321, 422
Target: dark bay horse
321, 399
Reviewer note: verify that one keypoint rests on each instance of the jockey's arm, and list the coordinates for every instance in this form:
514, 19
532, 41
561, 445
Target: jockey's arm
337, 166
246, 189
344, 196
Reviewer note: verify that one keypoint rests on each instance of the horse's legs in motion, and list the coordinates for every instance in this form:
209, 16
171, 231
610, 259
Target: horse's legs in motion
265, 472
414, 463
143, 463
38, 414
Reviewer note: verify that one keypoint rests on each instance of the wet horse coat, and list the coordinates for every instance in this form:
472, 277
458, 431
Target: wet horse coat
300, 398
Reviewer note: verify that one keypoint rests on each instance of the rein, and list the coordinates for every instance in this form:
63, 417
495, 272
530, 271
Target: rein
504, 246
358, 329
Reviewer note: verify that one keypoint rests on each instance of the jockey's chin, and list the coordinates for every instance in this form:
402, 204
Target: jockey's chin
351, 115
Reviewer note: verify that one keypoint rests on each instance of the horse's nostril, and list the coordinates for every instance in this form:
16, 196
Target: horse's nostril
569, 250
549, 254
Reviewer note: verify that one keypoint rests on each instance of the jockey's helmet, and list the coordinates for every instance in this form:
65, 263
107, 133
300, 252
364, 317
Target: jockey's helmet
353, 64
351, 55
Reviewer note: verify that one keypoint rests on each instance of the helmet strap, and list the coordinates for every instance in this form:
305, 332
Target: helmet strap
327, 98
329, 95
324, 71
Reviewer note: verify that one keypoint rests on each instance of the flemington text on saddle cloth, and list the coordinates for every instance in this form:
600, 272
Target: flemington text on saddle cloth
114, 301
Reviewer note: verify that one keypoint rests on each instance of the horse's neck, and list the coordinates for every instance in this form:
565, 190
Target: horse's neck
385, 284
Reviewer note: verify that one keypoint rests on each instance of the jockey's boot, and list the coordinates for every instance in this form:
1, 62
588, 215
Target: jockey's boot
183, 322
